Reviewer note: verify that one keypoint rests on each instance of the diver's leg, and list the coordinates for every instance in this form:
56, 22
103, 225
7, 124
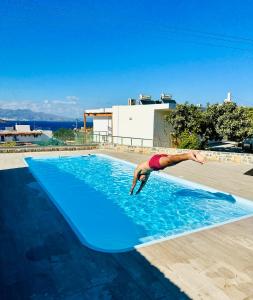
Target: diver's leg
174, 159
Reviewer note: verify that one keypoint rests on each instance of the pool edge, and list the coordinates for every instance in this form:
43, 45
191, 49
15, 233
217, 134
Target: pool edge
156, 240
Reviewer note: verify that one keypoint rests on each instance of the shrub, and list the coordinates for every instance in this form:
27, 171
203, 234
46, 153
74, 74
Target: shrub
9, 144
189, 141
64, 134
217, 122
50, 142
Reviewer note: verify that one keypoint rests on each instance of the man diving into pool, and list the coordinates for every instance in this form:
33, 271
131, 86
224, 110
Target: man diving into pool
159, 162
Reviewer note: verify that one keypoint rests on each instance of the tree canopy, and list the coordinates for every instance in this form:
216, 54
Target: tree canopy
218, 121
64, 134
234, 123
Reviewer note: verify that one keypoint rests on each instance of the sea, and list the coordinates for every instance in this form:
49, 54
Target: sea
47, 125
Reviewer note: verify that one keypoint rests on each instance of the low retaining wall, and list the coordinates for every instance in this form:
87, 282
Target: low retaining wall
43, 149
244, 158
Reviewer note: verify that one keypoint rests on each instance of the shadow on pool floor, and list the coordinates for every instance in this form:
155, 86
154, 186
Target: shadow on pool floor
41, 258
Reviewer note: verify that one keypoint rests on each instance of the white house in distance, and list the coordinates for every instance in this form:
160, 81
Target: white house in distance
134, 124
23, 133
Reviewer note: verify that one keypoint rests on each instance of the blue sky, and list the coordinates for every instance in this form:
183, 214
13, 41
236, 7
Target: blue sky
65, 56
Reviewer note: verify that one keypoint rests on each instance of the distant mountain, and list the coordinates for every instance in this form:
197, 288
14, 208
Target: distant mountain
29, 115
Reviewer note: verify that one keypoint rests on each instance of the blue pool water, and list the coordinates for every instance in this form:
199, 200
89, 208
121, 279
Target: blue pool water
92, 193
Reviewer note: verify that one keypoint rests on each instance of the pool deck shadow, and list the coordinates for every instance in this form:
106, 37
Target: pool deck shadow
41, 257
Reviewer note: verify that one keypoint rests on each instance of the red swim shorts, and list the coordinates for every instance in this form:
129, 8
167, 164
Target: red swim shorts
154, 162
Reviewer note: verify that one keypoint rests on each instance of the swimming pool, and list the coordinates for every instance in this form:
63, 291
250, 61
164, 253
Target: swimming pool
92, 193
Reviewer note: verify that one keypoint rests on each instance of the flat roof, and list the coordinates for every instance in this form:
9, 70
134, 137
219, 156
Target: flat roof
109, 110
98, 110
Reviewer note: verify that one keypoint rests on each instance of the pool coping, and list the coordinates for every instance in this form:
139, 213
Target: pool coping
154, 240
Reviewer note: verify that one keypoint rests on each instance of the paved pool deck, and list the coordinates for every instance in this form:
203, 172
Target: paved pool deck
41, 258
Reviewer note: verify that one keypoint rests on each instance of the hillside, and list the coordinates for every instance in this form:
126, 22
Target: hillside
29, 115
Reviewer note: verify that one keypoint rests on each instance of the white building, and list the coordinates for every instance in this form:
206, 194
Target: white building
23, 133
102, 120
229, 98
137, 125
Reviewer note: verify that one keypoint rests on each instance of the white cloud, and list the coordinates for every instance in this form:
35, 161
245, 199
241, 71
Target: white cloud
72, 98
68, 107
64, 102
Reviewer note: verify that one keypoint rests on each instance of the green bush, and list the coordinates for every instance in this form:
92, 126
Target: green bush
9, 144
50, 142
64, 134
189, 141
216, 122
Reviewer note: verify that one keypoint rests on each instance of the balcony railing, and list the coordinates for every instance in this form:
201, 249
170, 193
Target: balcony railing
104, 137
81, 139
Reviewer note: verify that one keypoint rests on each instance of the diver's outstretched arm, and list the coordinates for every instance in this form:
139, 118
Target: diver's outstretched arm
133, 185
142, 185
136, 173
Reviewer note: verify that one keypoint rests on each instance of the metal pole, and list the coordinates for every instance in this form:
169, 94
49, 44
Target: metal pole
84, 122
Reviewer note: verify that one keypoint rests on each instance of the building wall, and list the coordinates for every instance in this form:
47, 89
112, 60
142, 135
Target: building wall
23, 128
7, 139
102, 124
46, 135
20, 138
162, 130
27, 138
136, 121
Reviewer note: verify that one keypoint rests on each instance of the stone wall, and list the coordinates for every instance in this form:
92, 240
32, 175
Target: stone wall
46, 148
245, 158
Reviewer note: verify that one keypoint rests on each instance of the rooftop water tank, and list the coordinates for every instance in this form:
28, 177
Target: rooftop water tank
131, 101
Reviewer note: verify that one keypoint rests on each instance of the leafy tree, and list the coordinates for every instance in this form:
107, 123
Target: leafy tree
64, 134
186, 117
210, 117
219, 121
189, 141
250, 113
234, 122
